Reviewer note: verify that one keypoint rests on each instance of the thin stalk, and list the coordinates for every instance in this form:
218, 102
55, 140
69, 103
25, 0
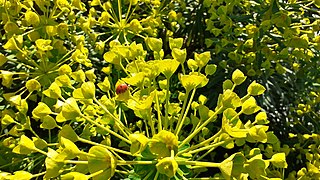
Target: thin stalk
75, 162
201, 144
147, 130
106, 129
136, 162
167, 105
196, 131
116, 119
158, 112
121, 172
119, 10
102, 145
148, 175
209, 151
182, 110
95, 174
198, 163
39, 174
153, 131
207, 147
186, 113
156, 176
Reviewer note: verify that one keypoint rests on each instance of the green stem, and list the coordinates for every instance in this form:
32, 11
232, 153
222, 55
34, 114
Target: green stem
39, 174
75, 162
148, 175
207, 147
95, 174
198, 163
201, 144
196, 131
166, 120
156, 176
182, 110
107, 147
186, 113
159, 113
106, 129
147, 130
153, 131
116, 119
136, 162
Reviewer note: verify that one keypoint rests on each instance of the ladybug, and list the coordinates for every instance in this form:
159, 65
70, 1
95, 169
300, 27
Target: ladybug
122, 88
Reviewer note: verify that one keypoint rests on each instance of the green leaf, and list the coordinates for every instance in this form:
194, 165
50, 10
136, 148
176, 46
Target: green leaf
65, 69
179, 54
39, 143
297, 42
68, 133
136, 79
6, 78
227, 84
79, 76
53, 91
33, 85
167, 166
79, 5
256, 167
192, 64
53, 165
6, 120
41, 110
230, 99
154, 44
142, 104
210, 69
70, 109
32, 18
202, 59
317, 3
88, 90
168, 67
258, 133
233, 126
44, 45
3, 59
63, 80
272, 139
250, 106
112, 57
105, 85
11, 44
48, 122
138, 143
238, 77
175, 43
279, 160
261, 118
69, 147
192, 81
101, 159
226, 167
26, 146
74, 176
163, 142
255, 89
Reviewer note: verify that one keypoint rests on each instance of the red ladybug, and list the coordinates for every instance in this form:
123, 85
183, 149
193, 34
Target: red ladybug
122, 88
